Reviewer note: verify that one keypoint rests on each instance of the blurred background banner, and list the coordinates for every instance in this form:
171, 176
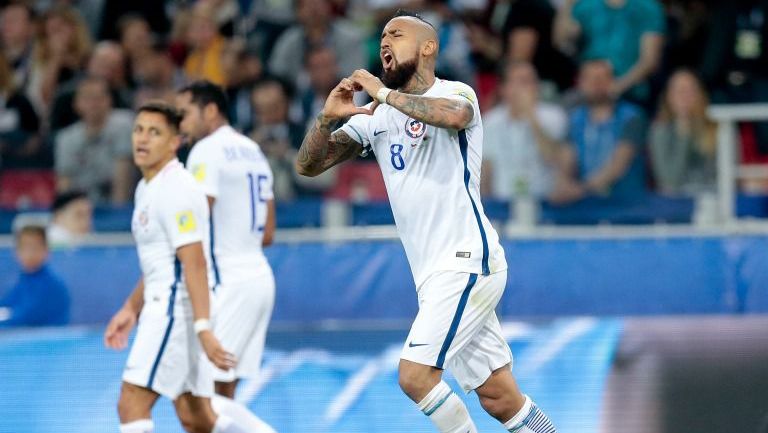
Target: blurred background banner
358, 281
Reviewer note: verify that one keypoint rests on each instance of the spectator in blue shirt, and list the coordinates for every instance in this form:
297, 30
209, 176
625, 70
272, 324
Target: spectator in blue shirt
606, 137
39, 298
627, 33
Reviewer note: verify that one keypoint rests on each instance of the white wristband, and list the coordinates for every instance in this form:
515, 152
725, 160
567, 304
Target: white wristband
202, 325
382, 94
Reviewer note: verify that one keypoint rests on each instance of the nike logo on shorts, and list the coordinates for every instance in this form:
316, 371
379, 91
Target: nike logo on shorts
375, 133
417, 345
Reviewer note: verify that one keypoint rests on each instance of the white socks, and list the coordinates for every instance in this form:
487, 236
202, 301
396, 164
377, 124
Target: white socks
240, 414
140, 426
530, 419
446, 410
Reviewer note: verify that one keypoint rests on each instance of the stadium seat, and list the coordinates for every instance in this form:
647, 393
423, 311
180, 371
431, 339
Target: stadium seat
359, 182
24, 189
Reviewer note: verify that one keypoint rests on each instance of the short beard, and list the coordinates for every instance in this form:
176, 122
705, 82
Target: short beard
399, 76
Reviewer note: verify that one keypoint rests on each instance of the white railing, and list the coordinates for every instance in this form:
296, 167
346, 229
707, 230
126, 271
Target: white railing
729, 168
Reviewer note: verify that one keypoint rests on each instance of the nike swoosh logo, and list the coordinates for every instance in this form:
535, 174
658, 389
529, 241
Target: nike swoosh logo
375, 133
417, 345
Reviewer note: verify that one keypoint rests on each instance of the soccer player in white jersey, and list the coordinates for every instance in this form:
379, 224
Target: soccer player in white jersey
427, 136
171, 300
237, 179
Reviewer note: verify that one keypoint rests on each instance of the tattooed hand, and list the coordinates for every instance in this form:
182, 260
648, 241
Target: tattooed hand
340, 105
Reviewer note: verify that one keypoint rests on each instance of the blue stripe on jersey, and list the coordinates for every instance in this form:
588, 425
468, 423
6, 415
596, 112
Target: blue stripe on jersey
212, 238
463, 145
456, 319
171, 303
160, 352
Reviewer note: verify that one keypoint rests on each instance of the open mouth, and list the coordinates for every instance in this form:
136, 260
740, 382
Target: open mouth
387, 60
141, 151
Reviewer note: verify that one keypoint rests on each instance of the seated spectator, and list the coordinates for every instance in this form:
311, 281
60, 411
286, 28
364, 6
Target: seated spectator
606, 138
278, 137
136, 39
683, 139
94, 154
322, 69
20, 144
39, 297
206, 58
17, 32
61, 49
244, 69
156, 77
316, 26
627, 33
71, 221
107, 62
521, 140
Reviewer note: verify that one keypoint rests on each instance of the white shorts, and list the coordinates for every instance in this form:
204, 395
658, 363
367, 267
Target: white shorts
242, 312
457, 328
167, 358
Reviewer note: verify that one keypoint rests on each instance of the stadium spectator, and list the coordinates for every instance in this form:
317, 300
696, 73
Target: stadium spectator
243, 68
627, 33
683, 138
521, 139
20, 144
136, 39
60, 51
606, 139
94, 154
278, 137
39, 297
107, 62
156, 77
112, 10
71, 221
225, 13
207, 46
322, 70
17, 32
521, 31
316, 26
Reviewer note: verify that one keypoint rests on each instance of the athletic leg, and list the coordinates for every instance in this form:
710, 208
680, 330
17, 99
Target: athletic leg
135, 409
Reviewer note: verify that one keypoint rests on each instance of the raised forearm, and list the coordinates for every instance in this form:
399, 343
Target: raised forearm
440, 112
321, 150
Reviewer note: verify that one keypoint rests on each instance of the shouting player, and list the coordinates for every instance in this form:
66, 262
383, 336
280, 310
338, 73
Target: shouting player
171, 300
427, 136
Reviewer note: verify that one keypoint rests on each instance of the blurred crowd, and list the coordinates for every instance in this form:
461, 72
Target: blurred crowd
581, 98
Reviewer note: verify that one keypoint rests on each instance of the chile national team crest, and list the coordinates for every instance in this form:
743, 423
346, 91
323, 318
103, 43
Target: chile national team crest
414, 128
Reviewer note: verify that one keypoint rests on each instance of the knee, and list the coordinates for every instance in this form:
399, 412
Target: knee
129, 411
196, 423
416, 383
500, 407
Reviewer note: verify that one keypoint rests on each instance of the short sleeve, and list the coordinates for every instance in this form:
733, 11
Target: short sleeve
357, 128
204, 166
555, 122
463, 92
654, 21
184, 215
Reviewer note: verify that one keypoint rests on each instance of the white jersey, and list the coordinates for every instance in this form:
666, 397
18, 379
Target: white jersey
432, 177
170, 212
231, 168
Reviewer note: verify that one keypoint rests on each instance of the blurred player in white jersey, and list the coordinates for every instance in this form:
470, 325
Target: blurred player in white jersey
237, 180
171, 300
427, 136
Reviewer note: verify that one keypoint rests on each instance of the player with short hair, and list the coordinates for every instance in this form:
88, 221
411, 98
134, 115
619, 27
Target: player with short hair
237, 180
427, 137
171, 300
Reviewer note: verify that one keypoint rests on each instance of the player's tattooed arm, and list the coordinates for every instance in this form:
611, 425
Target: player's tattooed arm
440, 112
322, 149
